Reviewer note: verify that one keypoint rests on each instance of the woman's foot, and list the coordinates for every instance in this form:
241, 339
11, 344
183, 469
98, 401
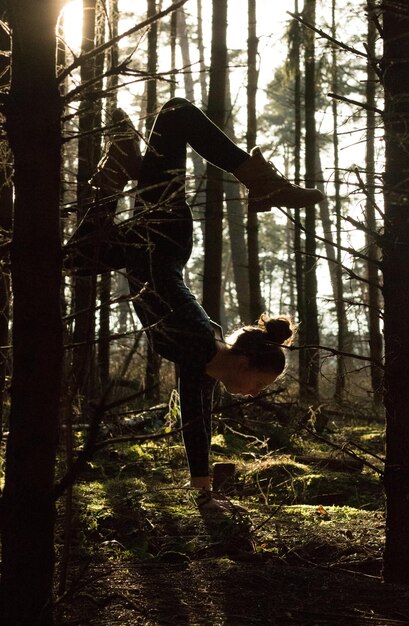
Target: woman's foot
211, 502
267, 188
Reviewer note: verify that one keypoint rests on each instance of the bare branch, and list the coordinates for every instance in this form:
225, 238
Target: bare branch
88, 450
363, 188
328, 37
122, 70
361, 226
362, 105
145, 24
138, 438
355, 303
350, 251
333, 351
97, 414
344, 448
350, 272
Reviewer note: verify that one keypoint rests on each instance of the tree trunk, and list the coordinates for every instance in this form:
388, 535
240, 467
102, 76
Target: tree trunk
85, 287
6, 212
152, 376
152, 68
333, 254
309, 386
198, 203
298, 242
256, 300
33, 125
338, 292
237, 229
105, 280
396, 290
173, 34
214, 185
200, 46
374, 292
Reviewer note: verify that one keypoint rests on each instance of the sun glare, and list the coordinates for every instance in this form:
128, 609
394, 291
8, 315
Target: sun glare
71, 23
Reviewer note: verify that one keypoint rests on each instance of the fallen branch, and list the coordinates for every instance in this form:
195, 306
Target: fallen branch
342, 448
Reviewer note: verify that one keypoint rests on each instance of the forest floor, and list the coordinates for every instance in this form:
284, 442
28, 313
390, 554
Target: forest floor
307, 551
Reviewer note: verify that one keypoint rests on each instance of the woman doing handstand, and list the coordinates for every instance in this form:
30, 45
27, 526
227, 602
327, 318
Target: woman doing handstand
160, 245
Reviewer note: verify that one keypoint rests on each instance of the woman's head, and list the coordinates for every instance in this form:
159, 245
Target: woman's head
261, 357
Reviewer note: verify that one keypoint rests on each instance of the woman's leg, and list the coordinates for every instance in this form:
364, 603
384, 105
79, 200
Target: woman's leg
162, 175
178, 124
163, 170
122, 157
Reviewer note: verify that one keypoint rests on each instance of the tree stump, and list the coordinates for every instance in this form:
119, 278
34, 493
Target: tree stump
224, 477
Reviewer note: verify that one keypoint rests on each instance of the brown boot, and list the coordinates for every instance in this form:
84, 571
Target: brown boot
267, 188
97, 245
122, 159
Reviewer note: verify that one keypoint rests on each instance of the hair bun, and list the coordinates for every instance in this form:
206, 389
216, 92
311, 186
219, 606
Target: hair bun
279, 329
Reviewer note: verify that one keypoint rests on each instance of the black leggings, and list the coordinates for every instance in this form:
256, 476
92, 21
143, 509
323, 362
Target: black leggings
162, 234
180, 123
177, 325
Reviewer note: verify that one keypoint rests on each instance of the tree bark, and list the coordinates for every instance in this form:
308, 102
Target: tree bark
237, 230
200, 46
339, 288
199, 201
105, 281
152, 67
152, 376
309, 386
33, 125
396, 289
214, 185
173, 34
256, 300
374, 292
88, 151
298, 241
6, 213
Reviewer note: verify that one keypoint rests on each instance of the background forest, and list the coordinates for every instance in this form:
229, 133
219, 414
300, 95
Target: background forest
98, 525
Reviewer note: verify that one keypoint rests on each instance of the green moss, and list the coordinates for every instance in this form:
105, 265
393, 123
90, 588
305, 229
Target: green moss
219, 443
129, 506
282, 479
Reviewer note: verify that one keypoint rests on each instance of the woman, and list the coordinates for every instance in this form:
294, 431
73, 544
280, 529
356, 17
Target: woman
158, 247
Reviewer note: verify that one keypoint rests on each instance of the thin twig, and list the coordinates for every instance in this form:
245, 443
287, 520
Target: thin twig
332, 351
140, 438
358, 103
362, 187
350, 251
361, 226
121, 70
96, 51
350, 272
326, 36
342, 449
